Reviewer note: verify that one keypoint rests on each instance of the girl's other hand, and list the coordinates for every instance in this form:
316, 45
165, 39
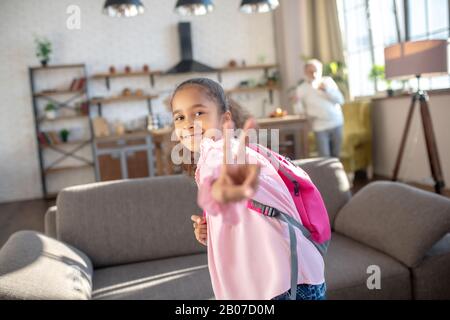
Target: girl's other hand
236, 182
200, 229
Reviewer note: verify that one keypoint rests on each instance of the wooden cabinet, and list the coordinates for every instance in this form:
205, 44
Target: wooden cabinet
125, 157
137, 164
109, 166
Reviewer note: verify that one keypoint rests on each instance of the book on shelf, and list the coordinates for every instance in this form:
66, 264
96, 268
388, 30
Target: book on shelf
49, 138
43, 140
73, 84
78, 84
81, 84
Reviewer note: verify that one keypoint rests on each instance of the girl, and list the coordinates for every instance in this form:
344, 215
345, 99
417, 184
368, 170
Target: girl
248, 253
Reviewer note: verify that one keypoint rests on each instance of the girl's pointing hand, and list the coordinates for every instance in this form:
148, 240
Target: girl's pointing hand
236, 182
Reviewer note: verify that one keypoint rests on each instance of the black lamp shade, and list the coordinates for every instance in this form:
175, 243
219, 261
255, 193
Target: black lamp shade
258, 6
194, 7
123, 8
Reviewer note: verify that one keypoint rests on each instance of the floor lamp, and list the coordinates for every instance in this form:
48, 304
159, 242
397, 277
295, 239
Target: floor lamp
416, 59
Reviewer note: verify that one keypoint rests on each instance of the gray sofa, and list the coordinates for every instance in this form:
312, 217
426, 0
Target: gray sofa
134, 240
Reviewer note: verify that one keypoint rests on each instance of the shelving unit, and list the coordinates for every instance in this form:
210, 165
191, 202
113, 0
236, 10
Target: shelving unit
219, 71
127, 155
101, 101
49, 93
270, 89
55, 96
68, 143
65, 98
265, 67
62, 118
107, 76
62, 169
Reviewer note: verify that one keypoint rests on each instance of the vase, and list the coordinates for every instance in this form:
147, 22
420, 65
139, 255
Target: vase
44, 62
50, 114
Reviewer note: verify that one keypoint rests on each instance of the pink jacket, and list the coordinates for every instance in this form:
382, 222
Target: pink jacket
248, 253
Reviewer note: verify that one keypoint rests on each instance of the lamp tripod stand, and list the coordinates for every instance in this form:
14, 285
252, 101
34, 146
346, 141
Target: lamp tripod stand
430, 139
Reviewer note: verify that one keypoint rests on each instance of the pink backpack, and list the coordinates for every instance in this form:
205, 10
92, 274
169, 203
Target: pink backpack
308, 201
310, 207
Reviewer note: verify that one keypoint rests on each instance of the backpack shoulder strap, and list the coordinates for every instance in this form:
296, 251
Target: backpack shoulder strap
275, 213
278, 164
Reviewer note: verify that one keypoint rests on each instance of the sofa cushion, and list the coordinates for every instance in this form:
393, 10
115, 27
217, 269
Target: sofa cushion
397, 219
348, 267
431, 279
185, 277
131, 220
34, 266
329, 177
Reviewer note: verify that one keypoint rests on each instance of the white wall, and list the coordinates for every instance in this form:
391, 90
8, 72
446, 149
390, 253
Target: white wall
389, 118
102, 41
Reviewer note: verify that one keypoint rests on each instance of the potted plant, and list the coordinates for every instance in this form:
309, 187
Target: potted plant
337, 70
377, 73
64, 134
272, 80
50, 111
43, 50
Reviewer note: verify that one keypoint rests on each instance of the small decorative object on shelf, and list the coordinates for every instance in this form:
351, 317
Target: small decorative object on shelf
50, 111
146, 68
119, 128
278, 113
153, 122
43, 50
126, 92
139, 93
100, 126
272, 80
232, 64
244, 63
127, 69
261, 59
64, 134
112, 70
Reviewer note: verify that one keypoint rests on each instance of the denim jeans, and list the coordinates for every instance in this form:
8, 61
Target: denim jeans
329, 142
306, 292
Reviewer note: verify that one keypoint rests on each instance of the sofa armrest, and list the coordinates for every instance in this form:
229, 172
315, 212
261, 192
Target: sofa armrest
431, 278
50, 222
397, 219
34, 266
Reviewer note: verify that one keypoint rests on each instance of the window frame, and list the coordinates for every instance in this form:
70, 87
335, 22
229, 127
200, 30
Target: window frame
402, 35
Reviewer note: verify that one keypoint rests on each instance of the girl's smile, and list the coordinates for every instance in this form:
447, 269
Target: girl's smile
195, 115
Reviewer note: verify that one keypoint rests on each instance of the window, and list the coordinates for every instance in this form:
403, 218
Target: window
368, 26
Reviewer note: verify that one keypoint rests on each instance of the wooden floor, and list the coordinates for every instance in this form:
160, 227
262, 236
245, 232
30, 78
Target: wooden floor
29, 215
22, 215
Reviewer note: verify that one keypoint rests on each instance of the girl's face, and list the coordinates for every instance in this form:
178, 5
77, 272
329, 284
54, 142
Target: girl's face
195, 115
